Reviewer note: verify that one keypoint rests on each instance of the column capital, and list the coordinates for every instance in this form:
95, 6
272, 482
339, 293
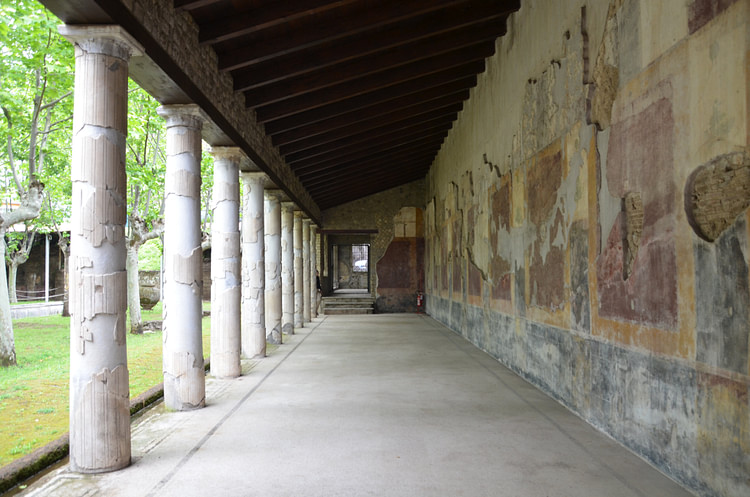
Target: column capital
234, 154
254, 176
274, 193
287, 205
102, 39
188, 115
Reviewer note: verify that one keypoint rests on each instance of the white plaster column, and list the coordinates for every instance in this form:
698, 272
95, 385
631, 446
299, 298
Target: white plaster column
225, 264
184, 373
298, 266
287, 268
313, 270
253, 266
99, 389
306, 307
273, 265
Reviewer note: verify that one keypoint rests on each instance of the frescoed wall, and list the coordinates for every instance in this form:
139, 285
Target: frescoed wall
586, 222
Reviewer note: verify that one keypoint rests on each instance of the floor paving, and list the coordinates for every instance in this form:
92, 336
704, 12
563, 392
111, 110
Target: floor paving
370, 405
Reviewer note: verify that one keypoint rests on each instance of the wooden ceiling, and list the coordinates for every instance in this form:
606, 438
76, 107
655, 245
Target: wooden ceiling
358, 95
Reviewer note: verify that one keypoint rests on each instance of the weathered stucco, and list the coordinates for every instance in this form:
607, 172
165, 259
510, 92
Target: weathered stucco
586, 223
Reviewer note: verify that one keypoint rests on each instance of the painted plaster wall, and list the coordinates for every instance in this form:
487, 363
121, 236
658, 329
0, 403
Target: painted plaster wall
557, 231
381, 212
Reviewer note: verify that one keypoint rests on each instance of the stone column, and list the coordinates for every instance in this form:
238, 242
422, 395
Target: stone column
313, 272
272, 223
184, 373
298, 266
287, 268
253, 266
306, 307
225, 264
99, 390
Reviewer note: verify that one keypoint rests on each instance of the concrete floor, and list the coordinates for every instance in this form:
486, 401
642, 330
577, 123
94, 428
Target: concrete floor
381, 405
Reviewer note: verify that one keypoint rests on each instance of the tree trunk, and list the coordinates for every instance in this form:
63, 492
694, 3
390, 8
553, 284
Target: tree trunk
12, 276
134, 292
7, 343
66, 297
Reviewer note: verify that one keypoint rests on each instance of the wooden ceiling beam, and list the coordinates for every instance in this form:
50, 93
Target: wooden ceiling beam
327, 176
265, 16
368, 105
433, 138
346, 193
394, 85
318, 29
337, 67
372, 160
412, 128
365, 81
368, 119
371, 129
364, 158
188, 5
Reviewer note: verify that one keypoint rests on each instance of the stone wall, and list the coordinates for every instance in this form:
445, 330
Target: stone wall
382, 212
586, 223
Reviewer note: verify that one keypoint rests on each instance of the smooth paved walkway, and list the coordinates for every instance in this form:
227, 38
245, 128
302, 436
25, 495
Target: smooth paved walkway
379, 405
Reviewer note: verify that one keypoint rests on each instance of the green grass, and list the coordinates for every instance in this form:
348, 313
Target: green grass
34, 394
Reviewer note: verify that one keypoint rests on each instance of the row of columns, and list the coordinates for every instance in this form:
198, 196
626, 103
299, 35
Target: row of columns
262, 271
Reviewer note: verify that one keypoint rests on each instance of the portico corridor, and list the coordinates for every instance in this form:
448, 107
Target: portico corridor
382, 405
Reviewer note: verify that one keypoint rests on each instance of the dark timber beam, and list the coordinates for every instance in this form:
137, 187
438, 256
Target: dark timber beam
366, 63
340, 23
429, 139
267, 15
337, 93
370, 104
360, 142
371, 129
351, 86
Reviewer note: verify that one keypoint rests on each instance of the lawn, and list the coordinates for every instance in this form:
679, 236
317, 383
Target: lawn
34, 395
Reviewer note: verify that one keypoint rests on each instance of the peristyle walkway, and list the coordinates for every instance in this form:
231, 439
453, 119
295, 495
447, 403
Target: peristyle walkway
380, 405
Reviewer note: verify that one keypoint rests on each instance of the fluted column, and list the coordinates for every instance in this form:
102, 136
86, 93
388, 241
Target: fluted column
314, 296
253, 266
306, 307
99, 390
298, 278
225, 264
273, 265
287, 268
184, 373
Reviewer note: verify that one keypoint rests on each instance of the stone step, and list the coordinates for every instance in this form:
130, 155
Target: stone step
348, 305
348, 310
347, 302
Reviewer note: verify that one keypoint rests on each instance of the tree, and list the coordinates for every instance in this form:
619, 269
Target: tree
146, 165
36, 67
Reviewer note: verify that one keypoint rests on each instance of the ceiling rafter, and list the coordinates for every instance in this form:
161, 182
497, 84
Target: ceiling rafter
341, 59
373, 128
362, 159
369, 118
358, 95
320, 28
433, 137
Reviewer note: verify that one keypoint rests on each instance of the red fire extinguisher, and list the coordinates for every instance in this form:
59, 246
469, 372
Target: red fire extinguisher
420, 302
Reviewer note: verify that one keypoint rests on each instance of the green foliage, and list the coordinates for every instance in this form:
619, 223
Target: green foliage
149, 255
36, 78
145, 158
